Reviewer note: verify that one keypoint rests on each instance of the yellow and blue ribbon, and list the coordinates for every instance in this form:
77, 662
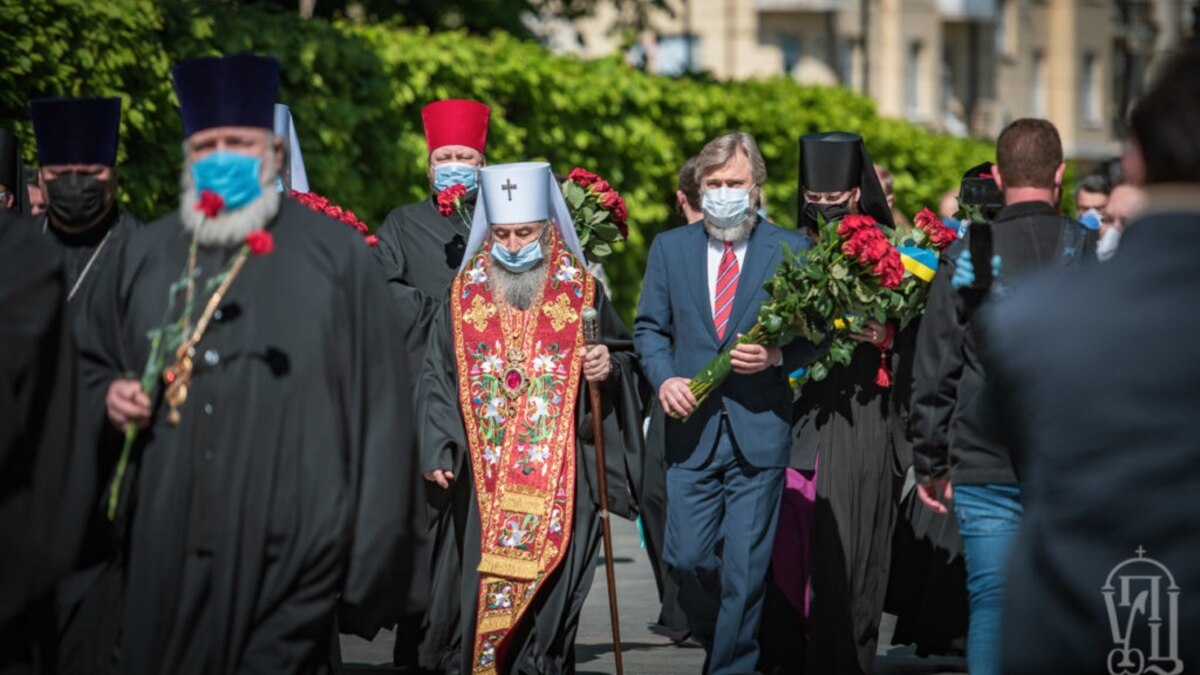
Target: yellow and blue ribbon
920, 262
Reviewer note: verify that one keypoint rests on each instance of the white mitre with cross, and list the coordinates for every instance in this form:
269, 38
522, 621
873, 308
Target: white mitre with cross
524, 192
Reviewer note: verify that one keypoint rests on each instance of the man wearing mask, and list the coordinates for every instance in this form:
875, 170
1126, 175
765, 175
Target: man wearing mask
1100, 412
951, 439
419, 247
13, 197
1091, 200
844, 427
725, 458
273, 481
77, 152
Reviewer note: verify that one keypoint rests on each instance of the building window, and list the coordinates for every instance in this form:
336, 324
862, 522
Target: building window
792, 51
912, 80
848, 58
1001, 25
1037, 86
1089, 95
678, 55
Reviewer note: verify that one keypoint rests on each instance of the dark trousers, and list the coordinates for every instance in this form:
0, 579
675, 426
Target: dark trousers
731, 503
653, 502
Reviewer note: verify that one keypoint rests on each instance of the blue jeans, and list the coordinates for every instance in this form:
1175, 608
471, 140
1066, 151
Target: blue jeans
988, 518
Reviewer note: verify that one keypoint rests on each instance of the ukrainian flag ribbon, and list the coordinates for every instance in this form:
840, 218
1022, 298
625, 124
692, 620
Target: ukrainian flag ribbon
921, 262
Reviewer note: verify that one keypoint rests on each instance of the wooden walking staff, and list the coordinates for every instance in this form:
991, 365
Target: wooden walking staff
591, 335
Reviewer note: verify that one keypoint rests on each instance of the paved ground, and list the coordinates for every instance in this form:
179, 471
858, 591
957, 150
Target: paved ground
644, 652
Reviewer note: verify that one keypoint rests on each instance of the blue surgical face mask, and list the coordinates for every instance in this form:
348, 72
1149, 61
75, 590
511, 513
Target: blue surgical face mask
726, 207
521, 261
1091, 219
232, 175
455, 173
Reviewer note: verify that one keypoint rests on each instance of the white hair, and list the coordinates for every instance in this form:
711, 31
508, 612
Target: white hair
230, 228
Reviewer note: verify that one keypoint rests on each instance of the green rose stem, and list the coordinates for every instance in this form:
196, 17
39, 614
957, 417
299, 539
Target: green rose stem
154, 364
714, 373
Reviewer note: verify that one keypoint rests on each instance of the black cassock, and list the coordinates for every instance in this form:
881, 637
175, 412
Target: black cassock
291, 479
420, 251
44, 482
544, 643
846, 419
85, 253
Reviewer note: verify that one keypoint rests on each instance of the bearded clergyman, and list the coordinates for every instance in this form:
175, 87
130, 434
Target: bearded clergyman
271, 483
504, 409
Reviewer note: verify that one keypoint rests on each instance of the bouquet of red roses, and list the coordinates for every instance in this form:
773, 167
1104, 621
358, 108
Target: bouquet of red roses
919, 249
321, 204
850, 275
598, 211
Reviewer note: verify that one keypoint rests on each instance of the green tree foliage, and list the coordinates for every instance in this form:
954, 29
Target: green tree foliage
356, 94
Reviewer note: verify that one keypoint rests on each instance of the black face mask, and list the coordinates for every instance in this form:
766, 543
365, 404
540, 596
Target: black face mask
830, 212
76, 199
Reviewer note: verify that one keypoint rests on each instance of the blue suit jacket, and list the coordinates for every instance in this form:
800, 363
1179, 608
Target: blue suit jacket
675, 337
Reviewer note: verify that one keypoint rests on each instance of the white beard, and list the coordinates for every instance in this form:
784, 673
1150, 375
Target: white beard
732, 234
231, 227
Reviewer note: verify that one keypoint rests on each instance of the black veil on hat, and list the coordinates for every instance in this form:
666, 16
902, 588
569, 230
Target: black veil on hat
832, 161
12, 174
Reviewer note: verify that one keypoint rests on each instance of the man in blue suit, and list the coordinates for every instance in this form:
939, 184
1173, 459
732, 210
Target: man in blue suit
702, 290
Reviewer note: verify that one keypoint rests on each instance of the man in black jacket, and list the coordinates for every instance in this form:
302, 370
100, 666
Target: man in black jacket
1104, 421
951, 441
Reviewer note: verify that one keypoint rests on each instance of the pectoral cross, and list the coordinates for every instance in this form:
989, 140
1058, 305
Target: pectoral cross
508, 187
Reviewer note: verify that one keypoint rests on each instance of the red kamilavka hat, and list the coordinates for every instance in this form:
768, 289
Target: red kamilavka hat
456, 122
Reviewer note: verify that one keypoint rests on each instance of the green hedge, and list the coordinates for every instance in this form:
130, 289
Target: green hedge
356, 94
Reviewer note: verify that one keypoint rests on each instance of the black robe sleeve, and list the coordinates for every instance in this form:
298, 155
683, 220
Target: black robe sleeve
44, 496
386, 572
623, 397
937, 370
417, 306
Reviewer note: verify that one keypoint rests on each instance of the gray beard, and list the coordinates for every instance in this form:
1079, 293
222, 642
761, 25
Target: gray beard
732, 234
230, 228
519, 288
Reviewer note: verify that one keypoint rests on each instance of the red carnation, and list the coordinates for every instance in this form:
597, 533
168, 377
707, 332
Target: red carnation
582, 177
371, 240
448, 199
210, 203
853, 223
260, 242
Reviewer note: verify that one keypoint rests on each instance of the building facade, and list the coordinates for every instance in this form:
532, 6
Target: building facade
964, 67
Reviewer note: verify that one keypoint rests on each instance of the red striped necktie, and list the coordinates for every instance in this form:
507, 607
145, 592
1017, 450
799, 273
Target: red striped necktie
727, 281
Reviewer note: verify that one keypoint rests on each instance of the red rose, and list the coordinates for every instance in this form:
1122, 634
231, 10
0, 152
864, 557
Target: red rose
890, 269
371, 240
925, 219
448, 199
582, 177
260, 242
621, 213
940, 235
210, 203
853, 223
600, 187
